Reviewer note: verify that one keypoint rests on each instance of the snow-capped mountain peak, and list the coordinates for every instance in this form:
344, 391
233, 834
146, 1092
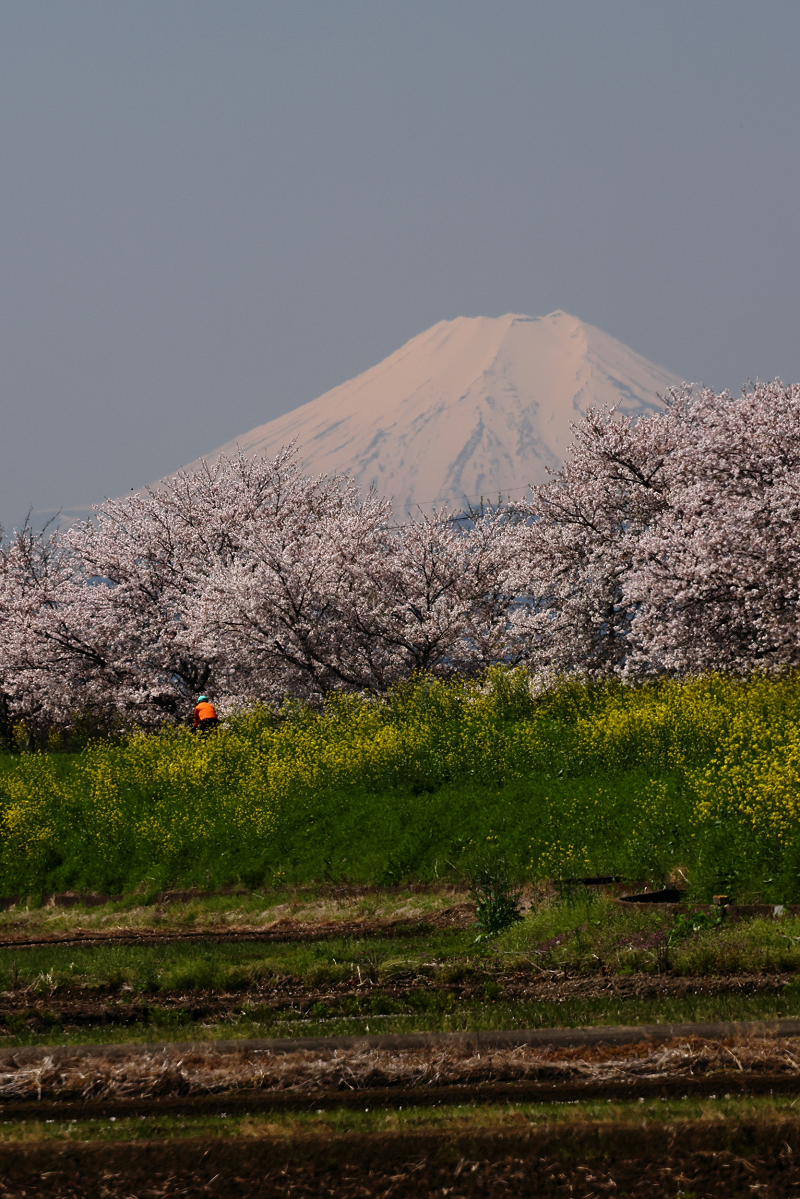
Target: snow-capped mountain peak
473, 407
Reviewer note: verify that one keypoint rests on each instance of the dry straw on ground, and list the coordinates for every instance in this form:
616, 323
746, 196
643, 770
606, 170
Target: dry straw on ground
206, 1072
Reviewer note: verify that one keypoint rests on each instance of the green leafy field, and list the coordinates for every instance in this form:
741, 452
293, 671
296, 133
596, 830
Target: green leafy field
697, 780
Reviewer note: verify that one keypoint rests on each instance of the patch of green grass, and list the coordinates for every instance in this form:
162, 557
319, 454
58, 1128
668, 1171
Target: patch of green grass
598, 935
594, 934
198, 966
588, 935
455, 1117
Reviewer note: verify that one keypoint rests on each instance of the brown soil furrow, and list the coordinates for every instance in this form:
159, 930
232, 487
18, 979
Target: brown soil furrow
459, 917
79, 1009
709, 1159
730, 1084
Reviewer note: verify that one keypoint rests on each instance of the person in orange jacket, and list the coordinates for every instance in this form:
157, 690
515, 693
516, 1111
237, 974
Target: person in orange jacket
205, 716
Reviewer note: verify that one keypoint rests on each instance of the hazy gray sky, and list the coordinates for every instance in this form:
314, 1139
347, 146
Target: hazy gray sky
213, 212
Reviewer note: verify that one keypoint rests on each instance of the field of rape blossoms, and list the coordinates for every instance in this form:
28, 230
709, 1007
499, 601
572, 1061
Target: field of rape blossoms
696, 779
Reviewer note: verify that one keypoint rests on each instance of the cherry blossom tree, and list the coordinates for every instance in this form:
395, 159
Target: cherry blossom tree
441, 600
669, 543
99, 614
664, 544
33, 579
277, 610
716, 579
576, 542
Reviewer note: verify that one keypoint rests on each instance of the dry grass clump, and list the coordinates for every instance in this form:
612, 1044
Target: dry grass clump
167, 1072
257, 910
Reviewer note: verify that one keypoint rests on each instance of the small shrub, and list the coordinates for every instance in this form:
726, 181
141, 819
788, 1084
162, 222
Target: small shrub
695, 922
397, 970
496, 898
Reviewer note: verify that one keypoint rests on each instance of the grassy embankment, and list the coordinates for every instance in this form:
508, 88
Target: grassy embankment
699, 779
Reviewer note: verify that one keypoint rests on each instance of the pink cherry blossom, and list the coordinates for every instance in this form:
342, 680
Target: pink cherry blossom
667, 544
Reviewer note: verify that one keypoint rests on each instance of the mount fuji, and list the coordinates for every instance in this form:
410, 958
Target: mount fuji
473, 407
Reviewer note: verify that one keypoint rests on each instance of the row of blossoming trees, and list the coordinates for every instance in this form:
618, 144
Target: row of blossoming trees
667, 545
